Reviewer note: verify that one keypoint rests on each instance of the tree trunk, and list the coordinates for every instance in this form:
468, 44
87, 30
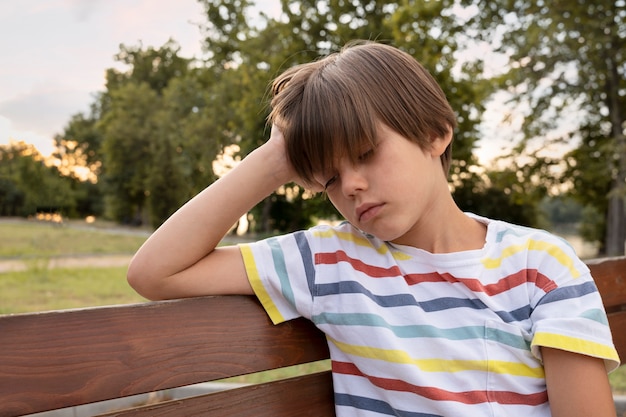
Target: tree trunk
616, 216
615, 224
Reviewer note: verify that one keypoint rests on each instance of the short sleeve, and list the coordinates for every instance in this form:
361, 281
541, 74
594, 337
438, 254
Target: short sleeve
281, 273
571, 317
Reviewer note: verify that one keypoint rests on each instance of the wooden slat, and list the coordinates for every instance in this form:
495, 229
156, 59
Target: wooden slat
617, 321
610, 277
305, 396
60, 359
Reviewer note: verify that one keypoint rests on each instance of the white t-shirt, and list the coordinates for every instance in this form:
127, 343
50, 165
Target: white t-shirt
418, 334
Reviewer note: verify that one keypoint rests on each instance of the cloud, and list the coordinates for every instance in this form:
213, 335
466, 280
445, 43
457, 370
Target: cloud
43, 112
83, 10
56, 52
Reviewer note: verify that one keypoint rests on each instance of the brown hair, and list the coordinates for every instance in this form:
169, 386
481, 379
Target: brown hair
330, 108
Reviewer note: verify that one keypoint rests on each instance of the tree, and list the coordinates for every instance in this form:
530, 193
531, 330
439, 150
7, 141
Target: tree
566, 66
156, 149
129, 128
77, 149
155, 67
430, 31
29, 185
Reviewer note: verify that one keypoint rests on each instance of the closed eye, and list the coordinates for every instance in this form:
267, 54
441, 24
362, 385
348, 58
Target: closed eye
366, 155
330, 182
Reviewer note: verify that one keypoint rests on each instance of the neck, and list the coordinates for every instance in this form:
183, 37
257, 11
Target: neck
446, 230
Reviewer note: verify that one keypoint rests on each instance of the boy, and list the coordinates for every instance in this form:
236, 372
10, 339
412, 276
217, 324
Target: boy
428, 311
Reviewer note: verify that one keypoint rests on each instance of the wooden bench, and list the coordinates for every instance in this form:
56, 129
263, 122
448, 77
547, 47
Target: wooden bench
61, 359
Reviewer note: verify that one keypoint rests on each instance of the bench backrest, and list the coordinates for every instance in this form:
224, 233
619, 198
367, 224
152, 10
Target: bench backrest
65, 358
610, 277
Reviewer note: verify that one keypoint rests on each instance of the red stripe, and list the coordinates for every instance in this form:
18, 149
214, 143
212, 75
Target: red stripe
522, 277
525, 276
331, 258
438, 394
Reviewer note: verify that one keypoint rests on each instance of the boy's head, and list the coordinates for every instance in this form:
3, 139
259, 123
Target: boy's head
330, 108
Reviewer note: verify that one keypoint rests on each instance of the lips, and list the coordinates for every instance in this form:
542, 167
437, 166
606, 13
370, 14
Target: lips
366, 211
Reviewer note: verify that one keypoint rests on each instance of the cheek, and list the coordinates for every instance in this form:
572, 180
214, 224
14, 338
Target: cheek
340, 204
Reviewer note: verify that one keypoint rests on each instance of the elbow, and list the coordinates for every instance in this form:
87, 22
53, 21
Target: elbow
142, 281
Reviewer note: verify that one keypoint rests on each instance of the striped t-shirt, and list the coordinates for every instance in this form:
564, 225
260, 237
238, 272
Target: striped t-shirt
418, 334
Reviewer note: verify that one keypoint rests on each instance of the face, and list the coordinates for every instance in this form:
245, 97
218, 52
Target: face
393, 188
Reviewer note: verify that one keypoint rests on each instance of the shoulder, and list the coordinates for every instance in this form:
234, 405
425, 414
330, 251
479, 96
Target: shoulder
504, 234
533, 248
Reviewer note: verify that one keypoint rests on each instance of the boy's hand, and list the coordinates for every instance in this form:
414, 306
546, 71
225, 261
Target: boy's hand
277, 146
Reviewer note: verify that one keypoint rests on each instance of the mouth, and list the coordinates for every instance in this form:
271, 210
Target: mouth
366, 212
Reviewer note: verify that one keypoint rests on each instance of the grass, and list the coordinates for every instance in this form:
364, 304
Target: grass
41, 289
36, 239
618, 380
281, 373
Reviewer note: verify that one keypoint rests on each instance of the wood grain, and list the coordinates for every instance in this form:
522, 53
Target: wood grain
59, 359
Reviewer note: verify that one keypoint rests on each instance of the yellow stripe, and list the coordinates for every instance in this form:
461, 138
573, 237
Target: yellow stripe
360, 241
257, 285
439, 364
576, 345
539, 245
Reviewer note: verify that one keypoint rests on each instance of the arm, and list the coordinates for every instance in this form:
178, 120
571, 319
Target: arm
578, 385
181, 260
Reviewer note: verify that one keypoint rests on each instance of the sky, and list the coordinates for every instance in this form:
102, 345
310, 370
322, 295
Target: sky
55, 54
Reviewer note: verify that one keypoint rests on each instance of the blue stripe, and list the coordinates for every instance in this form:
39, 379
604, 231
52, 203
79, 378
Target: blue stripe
423, 331
517, 229
307, 261
437, 304
596, 314
378, 406
569, 292
281, 270
353, 287
520, 314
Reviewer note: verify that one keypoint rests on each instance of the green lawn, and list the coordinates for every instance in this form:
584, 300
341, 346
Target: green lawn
43, 289
38, 239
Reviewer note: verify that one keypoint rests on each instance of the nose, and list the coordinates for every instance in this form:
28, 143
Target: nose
353, 180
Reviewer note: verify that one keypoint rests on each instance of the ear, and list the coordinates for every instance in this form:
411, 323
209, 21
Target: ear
439, 144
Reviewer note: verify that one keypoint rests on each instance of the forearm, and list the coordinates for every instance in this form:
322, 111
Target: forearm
195, 230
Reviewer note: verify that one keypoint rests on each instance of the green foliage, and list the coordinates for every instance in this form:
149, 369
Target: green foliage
129, 128
29, 185
155, 67
561, 210
80, 142
498, 195
153, 135
565, 75
430, 31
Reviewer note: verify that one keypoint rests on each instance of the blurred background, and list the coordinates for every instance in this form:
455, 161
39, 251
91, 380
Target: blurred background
122, 110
